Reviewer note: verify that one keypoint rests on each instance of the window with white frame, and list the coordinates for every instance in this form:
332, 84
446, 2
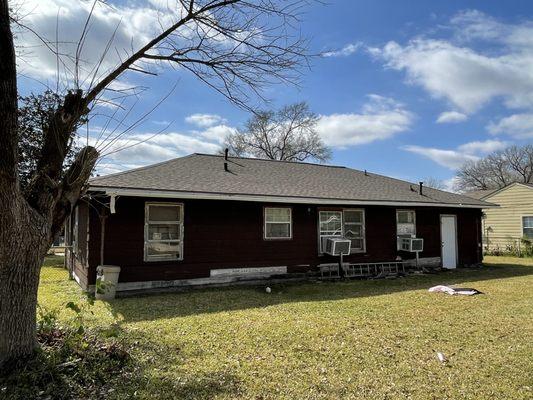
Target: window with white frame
354, 229
76, 231
347, 223
163, 231
278, 223
527, 227
405, 223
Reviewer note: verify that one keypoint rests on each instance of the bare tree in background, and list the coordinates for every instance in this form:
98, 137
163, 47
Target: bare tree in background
288, 134
233, 46
497, 170
520, 161
434, 183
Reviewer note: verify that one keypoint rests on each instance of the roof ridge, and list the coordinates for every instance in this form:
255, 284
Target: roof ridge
270, 160
412, 183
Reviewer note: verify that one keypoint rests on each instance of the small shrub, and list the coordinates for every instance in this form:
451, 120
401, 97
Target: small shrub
527, 247
46, 320
71, 361
514, 248
67, 366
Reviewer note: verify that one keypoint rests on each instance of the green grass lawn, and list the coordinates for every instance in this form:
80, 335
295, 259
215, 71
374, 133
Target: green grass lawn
352, 340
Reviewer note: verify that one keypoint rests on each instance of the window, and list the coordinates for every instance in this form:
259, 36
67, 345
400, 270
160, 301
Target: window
278, 223
348, 223
354, 229
75, 231
405, 223
330, 225
163, 231
527, 227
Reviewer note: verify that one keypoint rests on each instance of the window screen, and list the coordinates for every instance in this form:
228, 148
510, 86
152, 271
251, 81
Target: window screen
349, 224
354, 228
405, 222
163, 231
278, 223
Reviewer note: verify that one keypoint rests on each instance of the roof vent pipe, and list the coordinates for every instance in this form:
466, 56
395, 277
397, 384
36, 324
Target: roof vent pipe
226, 167
421, 186
226, 151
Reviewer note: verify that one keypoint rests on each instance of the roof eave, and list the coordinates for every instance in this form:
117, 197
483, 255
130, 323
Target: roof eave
166, 194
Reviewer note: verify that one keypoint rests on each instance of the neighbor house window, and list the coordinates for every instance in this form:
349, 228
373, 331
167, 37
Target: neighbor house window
163, 231
349, 224
278, 223
527, 227
405, 223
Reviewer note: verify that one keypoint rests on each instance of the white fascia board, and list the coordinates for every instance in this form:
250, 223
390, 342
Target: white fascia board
268, 199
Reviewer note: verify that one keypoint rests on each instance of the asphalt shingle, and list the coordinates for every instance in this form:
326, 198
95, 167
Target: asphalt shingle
205, 173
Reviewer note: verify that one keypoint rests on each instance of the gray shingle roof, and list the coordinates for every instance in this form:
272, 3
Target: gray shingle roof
203, 173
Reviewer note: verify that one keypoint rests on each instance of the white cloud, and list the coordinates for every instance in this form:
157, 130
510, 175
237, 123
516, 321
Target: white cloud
447, 158
451, 117
347, 50
450, 185
474, 24
134, 26
218, 133
379, 119
471, 25
145, 148
519, 126
139, 149
466, 77
454, 159
161, 122
483, 147
105, 168
204, 120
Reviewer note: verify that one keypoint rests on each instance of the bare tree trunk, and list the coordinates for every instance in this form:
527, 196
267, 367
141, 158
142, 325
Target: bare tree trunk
24, 238
29, 220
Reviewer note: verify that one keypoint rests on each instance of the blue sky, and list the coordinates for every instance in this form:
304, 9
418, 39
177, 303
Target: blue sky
409, 89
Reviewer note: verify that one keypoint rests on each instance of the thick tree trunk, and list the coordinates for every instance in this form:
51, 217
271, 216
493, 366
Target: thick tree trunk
28, 222
24, 239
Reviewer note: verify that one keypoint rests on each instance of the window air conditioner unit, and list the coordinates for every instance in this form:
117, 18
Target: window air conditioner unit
412, 245
336, 246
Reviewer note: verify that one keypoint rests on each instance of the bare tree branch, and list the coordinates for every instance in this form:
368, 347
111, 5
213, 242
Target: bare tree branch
288, 134
497, 170
234, 46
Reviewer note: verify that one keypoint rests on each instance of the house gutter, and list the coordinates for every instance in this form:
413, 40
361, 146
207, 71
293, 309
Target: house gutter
113, 192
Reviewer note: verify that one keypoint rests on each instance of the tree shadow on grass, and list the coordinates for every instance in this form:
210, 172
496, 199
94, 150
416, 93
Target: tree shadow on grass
213, 300
198, 387
54, 261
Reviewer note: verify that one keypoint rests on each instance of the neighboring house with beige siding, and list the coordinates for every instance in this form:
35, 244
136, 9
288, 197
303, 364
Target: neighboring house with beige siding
504, 227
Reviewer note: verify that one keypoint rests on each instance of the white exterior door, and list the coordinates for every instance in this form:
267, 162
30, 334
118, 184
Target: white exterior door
448, 235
